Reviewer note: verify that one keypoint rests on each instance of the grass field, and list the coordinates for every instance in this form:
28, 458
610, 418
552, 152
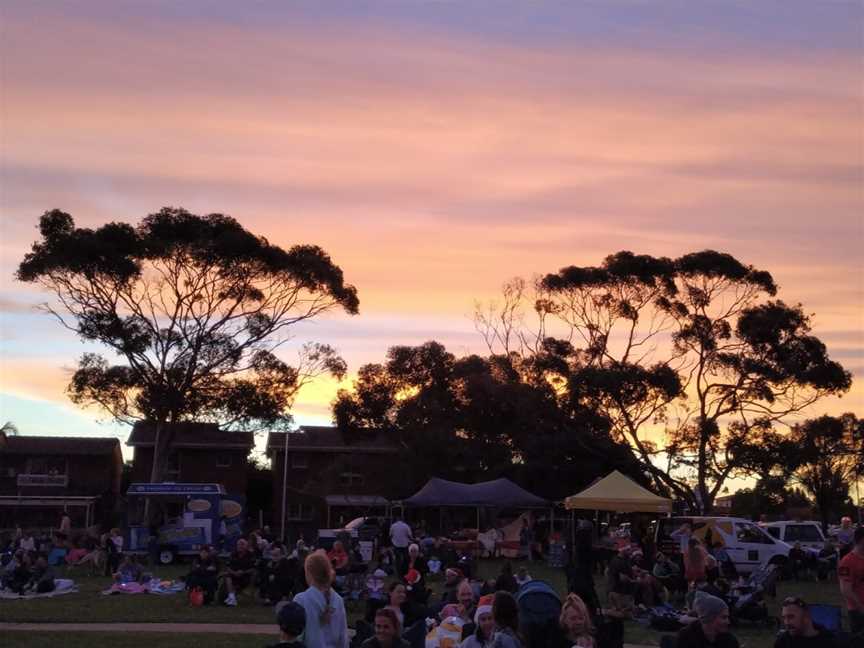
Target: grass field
88, 606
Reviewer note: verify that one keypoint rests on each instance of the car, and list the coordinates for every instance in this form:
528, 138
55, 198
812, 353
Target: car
807, 533
749, 546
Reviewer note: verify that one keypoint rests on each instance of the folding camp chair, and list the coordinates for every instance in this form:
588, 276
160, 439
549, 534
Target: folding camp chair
829, 617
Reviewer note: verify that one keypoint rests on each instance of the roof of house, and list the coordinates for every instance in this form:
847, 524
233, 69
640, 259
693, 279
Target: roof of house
325, 438
192, 435
61, 445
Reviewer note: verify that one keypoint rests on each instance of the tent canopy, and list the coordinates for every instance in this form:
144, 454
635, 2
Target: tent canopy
495, 493
618, 493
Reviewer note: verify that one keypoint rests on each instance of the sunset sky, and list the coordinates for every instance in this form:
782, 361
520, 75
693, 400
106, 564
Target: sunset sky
435, 149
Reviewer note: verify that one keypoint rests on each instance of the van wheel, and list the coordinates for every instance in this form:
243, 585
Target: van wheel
777, 560
166, 556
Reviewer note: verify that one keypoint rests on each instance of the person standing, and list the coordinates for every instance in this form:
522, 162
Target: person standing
65, 529
27, 541
851, 576
326, 620
401, 538
526, 540
845, 535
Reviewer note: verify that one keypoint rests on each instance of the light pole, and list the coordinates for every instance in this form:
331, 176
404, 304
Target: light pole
284, 485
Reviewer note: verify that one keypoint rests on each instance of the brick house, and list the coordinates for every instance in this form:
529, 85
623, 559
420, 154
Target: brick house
41, 476
332, 476
200, 453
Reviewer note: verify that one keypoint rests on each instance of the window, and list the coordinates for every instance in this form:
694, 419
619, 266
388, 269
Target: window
751, 534
223, 460
774, 531
803, 533
351, 479
299, 461
172, 464
300, 512
47, 466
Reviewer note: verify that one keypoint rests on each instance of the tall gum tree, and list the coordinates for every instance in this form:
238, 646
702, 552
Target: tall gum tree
693, 360
193, 309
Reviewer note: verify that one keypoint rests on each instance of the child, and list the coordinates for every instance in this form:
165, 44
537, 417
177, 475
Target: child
291, 618
375, 586
522, 576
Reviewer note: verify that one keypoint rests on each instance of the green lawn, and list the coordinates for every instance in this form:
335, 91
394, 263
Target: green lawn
88, 606
160, 639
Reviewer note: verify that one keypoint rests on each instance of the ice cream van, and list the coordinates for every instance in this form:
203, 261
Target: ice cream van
188, 516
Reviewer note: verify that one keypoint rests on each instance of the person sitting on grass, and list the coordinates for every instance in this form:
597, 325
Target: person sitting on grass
505, 612
506, 581
128, 571
799, 629
20, 576
277, 577
522, 576
204, 574
397, 601
712, 628
575, 623
41, 577
238, 576
483, 632
387, 632
339, 558
291, 619
452, 578
7, 571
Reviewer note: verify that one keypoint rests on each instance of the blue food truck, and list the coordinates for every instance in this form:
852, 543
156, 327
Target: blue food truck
189, 516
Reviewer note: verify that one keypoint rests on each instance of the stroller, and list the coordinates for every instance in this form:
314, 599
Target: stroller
539, 609
747, 602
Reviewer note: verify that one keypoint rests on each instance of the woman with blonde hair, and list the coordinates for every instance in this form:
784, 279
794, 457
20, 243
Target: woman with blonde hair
576, 624
326, 621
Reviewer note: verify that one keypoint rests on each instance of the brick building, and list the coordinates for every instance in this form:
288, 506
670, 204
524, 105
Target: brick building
41, 476
332, 476
200, 453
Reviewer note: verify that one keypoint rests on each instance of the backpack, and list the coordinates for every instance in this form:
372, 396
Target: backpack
196, 597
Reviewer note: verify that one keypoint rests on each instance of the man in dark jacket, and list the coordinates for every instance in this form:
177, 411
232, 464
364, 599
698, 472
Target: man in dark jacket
712, 628
800, 631
277, 577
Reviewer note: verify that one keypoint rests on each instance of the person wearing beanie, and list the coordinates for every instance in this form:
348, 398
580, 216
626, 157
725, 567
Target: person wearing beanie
484, 623
712, 628
291, 618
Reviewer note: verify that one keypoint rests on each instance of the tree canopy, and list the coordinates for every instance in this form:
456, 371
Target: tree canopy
693, 361
193, 309
460, 418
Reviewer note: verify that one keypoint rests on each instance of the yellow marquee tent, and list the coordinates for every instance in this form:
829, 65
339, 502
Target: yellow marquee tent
618, 493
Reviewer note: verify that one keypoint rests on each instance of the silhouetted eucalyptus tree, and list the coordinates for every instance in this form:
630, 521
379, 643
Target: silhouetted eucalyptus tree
193, 309
690, 359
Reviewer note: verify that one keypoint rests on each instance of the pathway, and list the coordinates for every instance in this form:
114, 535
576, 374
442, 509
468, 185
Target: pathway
191, 628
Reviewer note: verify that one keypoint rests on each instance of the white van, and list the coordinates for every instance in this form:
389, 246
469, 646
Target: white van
808, 534
748, 545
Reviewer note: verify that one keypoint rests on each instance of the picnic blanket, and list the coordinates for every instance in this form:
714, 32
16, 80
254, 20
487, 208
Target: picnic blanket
61, 586
154, 586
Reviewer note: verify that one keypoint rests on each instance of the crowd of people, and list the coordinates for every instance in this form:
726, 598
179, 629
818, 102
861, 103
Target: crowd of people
308, 588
